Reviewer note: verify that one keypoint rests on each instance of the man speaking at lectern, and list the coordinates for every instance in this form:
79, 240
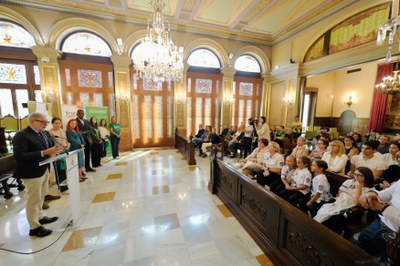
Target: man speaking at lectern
31, 146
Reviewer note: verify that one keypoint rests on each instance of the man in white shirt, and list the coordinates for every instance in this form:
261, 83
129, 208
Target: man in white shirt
369, 159
387, 202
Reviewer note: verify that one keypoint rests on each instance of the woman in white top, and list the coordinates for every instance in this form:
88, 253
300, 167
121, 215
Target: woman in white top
336, 158
254, 162
57, 133
300, 150
390, 158
331, 214
301, 182
263, 129
273, 163
105, 134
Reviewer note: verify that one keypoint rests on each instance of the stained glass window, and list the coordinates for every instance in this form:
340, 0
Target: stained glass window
98, 99
85, 98
207, 112
203, 58
89, 78
136, 116
86, 43
204, 86
199, 111
245, 89
247, 63
149, 85
170, 111
189, 112
12, 73
158, 115
13, 35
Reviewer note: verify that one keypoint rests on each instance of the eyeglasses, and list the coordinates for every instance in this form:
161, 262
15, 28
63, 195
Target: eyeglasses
42, 121
358, 175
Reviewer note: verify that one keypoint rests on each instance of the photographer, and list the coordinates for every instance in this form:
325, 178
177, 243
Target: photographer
248, 137
262, 128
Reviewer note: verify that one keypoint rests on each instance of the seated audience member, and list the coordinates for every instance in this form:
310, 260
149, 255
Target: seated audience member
392, 173
228, 137
279, 135
225, 131
300, 150
301, 182
336, 158
254, 162
287, 173
390, 157
320, 188
246, 141
371, 135
386, 202
351, 149
272, 165
319, 151
211, 139
357, 137
235, 143
323, 131
332, 214
200, 132
368, 159
383, 144
198, 141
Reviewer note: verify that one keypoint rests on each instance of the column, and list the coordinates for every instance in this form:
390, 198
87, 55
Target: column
123, 99
180, 102
266, 98
227, 95
49, 76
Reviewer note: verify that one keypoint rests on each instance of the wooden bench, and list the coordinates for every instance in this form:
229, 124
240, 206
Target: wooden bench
283, 232
186, 148
7, 165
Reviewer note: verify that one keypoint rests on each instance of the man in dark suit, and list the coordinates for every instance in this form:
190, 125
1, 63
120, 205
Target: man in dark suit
31, 146
84, 129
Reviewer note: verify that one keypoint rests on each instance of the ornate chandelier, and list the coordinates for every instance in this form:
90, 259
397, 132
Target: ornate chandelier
157, 58
391, 27
390, 84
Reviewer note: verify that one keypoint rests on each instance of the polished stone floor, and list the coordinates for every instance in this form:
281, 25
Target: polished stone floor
146, 208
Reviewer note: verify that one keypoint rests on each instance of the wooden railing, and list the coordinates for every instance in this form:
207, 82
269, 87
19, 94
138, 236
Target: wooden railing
186, 148
283, 232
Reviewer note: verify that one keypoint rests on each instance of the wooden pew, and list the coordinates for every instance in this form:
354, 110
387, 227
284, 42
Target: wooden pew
283, 232
186, 148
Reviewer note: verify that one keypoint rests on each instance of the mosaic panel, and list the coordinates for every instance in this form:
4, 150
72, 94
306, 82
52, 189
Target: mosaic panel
245, 89
204, 86
89, 78
12, 73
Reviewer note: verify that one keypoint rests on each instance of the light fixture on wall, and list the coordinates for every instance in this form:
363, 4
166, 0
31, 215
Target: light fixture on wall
348, 100
390, 84
158, 58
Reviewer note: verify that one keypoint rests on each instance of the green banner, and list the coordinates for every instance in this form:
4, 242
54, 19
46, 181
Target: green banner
99, 113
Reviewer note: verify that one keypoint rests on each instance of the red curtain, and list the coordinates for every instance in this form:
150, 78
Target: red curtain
380, 101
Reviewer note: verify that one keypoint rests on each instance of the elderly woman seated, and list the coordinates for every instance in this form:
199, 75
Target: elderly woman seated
254, 162
272, 165
300, 149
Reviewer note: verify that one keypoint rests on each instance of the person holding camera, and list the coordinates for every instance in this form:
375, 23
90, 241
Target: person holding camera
262, 128
249, 131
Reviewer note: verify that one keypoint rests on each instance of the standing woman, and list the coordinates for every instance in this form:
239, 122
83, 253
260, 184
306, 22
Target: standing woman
115, 137
76, 142
104, 133
58, 133
97, 142
262, 129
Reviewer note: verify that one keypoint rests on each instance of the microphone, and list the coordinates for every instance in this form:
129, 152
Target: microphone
55, 140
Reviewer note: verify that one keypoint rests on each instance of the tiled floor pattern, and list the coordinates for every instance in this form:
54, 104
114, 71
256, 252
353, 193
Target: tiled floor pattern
152, 209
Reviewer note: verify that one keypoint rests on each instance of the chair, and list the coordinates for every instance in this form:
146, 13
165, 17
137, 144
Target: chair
10, 123
309, 134
24, 122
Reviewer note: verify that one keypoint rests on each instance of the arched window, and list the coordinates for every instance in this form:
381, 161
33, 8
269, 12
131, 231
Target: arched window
247, 63
13, 35
85, 43
203, 58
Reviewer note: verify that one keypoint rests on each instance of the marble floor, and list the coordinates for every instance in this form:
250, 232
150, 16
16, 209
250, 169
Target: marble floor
146, 208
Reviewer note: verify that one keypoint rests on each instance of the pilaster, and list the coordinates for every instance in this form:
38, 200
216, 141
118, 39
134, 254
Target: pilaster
227, 95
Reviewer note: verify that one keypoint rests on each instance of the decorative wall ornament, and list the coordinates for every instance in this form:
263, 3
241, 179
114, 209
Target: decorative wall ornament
89, 78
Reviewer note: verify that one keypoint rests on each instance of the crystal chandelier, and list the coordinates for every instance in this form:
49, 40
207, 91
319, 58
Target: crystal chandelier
157, 58
390, 84
391, 27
